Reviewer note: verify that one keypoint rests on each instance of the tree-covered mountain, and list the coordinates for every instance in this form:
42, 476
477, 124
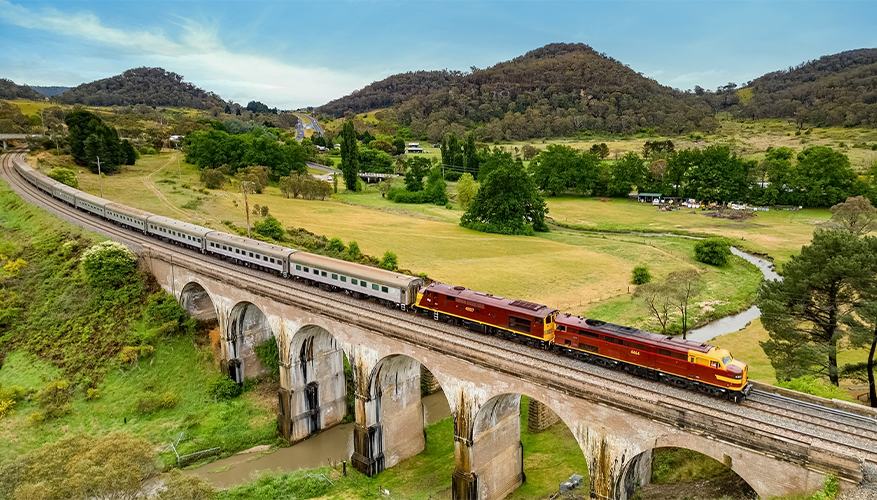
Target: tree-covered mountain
10, 90
390, 91
49, 91
149, 86
556, 90
838, 90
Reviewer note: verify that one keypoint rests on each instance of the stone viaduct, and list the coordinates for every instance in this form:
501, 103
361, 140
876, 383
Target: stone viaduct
615, 428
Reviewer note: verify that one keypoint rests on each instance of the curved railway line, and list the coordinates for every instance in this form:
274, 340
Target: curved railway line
849, 433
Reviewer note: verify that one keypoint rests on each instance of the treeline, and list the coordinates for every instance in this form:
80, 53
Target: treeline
213, 149
557, 90
816, 177
835, 90
12, 121
389, 91
10, 90
96, 145
149, 86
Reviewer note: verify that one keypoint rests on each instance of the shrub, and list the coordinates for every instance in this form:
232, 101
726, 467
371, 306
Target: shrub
223, 387
389, 262
7, 407
715, 251
810, 384
92, 394
147, 404
129, 354
168, 400
64, 176
13, 393
269, 355
178, 486
353, 251
336, 245
146, 350
269, 227
163, 311
55, 399
641, 275
108, 264
36, 418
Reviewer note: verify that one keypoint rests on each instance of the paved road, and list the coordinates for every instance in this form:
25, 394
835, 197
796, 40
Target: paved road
307, 122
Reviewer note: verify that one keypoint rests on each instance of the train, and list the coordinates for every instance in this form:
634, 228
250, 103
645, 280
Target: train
682, 363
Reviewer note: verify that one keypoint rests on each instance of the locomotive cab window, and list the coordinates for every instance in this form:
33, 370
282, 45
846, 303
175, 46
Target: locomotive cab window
561, 328
714, 364
452, 299
539, 321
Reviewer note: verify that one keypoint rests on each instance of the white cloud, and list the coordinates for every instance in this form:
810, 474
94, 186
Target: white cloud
199, 55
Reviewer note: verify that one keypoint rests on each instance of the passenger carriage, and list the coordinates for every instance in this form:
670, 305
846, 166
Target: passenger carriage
126, 216
181, 233
357, 280
90, 203
65, 193
253, 253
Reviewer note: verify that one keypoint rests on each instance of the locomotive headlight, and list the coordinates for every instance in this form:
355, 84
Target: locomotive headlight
738, 377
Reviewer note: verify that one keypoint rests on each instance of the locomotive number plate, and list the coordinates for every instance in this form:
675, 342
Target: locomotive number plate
635, 353
470, 309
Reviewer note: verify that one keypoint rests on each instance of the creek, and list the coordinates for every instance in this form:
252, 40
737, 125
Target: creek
333, 445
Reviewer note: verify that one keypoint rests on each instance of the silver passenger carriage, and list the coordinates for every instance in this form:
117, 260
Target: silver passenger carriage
357, 280
65, 193
249, 252
127, 217
90, 203
181, 233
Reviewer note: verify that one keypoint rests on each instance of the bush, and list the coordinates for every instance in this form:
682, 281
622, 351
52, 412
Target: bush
147, 404
168, 400
223, 387
179, 486
390, 262
13, 393
336, 245
7, 407
401, 195
269, 355
108, 264
641, 275
36, 418
353, 251
715, 251
810, 384
269, 227
64, 176
129, 354
55, 399
92, 394
163, 311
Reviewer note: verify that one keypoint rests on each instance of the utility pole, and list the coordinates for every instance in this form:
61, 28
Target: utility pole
100, 177
179, 167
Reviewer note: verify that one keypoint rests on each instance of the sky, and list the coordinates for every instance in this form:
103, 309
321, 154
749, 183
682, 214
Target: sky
292, 54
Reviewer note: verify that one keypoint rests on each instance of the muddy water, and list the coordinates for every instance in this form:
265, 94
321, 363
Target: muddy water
730, 324
333, 445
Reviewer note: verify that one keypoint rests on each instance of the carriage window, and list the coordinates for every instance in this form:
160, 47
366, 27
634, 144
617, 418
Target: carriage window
251, 254
334, 276
266, 259
561, 328
316, 272
374, 286
664, 352
272, 260
237, 251
539, 321
353, 280
344, 279
297, 267
323, 274
363, 283
384, 289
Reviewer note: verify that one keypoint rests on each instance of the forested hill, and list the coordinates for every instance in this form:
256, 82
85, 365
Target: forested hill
49, 91
390, 91
150, 86
9, 90
556, 90
839, 89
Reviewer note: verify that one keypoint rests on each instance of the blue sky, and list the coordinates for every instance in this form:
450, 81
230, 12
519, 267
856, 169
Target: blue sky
292, 54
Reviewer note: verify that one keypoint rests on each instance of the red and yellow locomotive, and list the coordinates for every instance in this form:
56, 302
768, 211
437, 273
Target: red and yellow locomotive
683, 363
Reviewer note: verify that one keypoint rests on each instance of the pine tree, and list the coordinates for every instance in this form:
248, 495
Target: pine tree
349, 156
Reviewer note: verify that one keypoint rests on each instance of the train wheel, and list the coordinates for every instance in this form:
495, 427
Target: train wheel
735, 397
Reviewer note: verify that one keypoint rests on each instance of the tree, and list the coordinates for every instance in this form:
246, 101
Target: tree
415, 168
470, 155
349, 156
560, 168
715, 251
685, 285
399, 144
600, 150
436, 187
856, 215
375, 160
212, 178
718, 175
64, 176
507, 202
529, 152
863, 323
627, 173
803, 313
823, 177
467, 188
658, 300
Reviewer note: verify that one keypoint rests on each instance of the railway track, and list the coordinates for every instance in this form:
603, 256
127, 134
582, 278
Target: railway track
786, 418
